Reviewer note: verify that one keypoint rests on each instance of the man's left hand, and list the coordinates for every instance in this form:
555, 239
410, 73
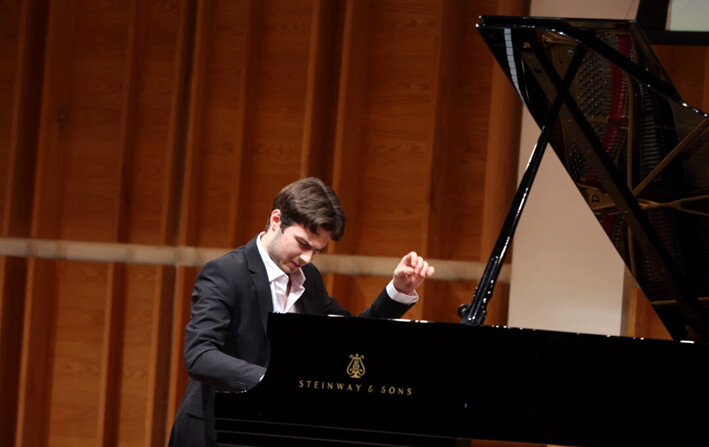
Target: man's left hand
411, 272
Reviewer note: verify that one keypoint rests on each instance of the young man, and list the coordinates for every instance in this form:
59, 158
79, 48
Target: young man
225, 341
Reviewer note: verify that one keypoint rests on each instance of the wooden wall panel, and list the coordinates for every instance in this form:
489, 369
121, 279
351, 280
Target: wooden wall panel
438, 302
178, 374
77, 352
157, 150
105, 380
321, 95
392, 57
160, 353
423, 132
13, 274
462, 116
141, 399
52, 124
442, 299
360, 291
22, 65
642, 319
111, 352
100, 79
12, 270
176, 122
396, 128
107, 120
282, 46
10, 14
133, 396
214, 148
687, 67
352, 81
261, 110
33, 404
274, 144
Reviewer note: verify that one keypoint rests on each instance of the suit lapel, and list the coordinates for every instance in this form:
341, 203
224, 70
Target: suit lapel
259, 279
303, 303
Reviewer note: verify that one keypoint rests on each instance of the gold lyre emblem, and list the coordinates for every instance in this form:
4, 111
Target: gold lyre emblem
355, 369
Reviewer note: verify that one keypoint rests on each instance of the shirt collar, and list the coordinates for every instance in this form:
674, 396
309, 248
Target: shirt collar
272, 270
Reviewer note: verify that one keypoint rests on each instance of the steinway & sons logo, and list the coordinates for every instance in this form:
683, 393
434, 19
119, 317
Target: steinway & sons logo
356, 367
356, 370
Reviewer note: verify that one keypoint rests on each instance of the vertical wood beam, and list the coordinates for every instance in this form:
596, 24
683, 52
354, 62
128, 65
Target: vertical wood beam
37, 354
321, 90
114, 319
247, 91
350, 111
112, 355
445, 135
174, 206
16, 220
53, 119
13, 275
179, 120
159, 372
642, 320
188, 218
127, 126
311, 89
17, 213
181, 315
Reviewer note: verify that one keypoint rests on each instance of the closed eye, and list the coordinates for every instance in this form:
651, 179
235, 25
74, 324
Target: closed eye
306, 246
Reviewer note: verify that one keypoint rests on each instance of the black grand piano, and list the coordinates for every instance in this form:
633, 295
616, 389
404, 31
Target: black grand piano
640, 158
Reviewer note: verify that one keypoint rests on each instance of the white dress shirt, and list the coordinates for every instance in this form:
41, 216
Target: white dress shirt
278, 282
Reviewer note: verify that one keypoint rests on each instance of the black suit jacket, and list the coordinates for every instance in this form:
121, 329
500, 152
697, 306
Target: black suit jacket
226, 347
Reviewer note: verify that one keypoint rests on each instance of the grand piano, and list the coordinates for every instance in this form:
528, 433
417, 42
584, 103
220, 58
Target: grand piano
640, 158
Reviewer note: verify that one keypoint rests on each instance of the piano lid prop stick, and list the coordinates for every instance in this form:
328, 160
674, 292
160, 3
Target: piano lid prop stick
474, 314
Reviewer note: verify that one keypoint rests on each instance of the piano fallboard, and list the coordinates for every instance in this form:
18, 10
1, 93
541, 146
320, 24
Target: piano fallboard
346, 380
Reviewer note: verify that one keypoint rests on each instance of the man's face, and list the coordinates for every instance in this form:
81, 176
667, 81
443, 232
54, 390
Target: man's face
296, 246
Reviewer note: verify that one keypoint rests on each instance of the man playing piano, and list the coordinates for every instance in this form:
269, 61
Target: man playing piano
225, 341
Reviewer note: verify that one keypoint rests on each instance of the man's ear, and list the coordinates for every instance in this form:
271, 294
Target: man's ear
275, 220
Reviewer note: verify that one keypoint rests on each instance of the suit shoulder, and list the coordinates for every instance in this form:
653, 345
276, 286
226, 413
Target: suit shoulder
310, 269
222, 274
312, 275
228, 260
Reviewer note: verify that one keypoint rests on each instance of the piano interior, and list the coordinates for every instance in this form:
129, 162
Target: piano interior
637, 153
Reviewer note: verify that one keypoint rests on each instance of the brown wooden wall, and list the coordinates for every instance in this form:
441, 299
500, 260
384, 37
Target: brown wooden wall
173, 123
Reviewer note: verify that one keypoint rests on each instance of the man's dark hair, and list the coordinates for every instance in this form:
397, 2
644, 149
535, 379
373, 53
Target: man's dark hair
311, 203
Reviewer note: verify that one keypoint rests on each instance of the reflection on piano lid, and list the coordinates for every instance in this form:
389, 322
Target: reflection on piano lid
639, 157
637, 153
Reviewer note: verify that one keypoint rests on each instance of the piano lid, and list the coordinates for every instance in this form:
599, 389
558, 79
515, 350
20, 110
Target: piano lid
637, 153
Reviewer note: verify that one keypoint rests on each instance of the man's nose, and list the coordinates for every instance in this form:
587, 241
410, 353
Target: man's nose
307, 256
